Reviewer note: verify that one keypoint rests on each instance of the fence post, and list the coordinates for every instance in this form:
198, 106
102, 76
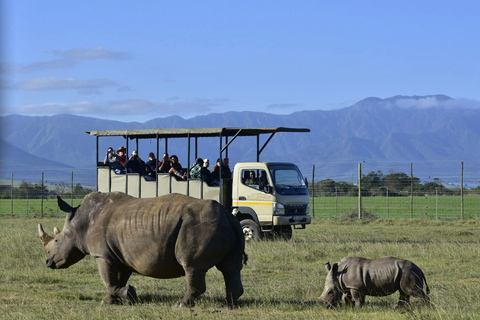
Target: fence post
411, 190
336, 202
41, 192
359, 190
71, 202
313, 191
461, 193
436, 203
388, 206
11, 194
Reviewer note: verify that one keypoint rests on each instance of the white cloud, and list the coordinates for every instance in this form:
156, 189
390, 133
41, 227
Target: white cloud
124, 107
69, 59
52, 83
434, 102
39, 66
92, 54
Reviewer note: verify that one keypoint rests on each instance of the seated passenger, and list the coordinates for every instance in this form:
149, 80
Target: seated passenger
122, 153
135, 164
164, 165
216, 171
252, 180
195, 171
226, 172
113, 161
176, 169
151, 166
206, 175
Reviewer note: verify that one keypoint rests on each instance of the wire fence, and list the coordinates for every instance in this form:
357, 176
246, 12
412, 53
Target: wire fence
39, 199
416, 205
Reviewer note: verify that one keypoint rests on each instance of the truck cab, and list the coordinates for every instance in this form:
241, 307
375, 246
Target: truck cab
270, 197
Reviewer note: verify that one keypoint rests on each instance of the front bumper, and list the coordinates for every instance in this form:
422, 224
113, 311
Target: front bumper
291, 220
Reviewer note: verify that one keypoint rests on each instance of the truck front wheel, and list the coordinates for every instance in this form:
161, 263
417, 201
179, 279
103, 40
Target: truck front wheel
251, 230
282, 232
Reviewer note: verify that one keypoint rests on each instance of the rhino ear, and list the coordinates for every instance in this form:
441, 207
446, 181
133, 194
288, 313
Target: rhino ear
335, 268
327, 266
65, 207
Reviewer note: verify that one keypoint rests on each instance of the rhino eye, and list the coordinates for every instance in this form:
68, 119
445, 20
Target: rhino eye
330, 292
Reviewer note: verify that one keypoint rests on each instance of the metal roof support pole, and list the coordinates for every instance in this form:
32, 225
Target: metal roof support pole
233, 138
156, 167
226, 151
188, 165
258, 148
266, 142
126, 170
196, 148
220, 171
96, 160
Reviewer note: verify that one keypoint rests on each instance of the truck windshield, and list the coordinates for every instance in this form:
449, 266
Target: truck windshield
287, 179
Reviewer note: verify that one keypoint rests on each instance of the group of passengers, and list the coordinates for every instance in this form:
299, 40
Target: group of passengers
199, 170
117, 161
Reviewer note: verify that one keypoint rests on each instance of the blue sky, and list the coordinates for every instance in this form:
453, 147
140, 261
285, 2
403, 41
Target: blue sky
133, 61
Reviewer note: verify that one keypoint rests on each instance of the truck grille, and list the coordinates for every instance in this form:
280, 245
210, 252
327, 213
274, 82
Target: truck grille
295, 210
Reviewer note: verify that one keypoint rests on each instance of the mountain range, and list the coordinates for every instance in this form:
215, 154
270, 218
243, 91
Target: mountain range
434, 133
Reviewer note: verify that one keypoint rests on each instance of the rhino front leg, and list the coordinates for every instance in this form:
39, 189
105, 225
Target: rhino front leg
347, 299
115, 280
195, 286
358, 297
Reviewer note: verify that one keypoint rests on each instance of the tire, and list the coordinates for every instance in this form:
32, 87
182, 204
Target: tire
283, 232
251, 230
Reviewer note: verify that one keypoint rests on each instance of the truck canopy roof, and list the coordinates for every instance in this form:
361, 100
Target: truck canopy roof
192, 132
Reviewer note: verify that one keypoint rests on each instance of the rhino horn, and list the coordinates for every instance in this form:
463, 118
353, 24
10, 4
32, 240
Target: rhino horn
45, 238
56, 231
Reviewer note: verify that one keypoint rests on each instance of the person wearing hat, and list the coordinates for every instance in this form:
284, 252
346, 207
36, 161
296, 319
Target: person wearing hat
122, 153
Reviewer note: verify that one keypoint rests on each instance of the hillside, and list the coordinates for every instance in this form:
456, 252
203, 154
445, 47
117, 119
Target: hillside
385, 134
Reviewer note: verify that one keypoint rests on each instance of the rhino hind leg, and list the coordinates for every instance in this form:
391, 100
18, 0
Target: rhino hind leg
196, 285
234, 288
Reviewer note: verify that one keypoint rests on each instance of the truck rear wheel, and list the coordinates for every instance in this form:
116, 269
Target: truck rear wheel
251, 230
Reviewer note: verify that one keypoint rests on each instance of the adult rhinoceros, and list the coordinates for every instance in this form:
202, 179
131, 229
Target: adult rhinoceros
357, 277
165, 237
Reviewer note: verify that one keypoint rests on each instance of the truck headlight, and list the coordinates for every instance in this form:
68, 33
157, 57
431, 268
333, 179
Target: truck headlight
278, 209
307, 211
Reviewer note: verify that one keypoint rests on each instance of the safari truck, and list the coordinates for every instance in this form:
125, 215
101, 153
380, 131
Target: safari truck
268, 198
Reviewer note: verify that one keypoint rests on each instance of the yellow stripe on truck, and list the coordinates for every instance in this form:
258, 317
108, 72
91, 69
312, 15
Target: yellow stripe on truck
238, 203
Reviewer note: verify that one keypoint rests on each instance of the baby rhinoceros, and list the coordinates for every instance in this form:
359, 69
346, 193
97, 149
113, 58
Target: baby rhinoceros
357, 277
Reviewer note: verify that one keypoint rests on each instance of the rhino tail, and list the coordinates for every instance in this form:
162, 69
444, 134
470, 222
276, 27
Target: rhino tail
427, 288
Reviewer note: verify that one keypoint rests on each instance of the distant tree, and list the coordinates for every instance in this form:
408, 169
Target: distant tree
372, 182
400, 182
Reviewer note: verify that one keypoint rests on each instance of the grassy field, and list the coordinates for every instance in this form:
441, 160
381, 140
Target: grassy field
282, 280
429, 207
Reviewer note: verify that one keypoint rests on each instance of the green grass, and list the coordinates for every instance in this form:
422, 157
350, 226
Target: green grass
430, 207
282, 280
